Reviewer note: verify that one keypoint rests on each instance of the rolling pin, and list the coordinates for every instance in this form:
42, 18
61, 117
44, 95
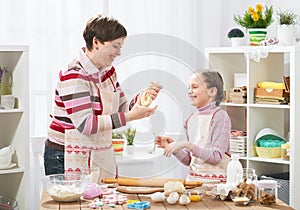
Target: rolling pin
148, 182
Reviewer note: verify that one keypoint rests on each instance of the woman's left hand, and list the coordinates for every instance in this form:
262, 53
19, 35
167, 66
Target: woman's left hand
153, 90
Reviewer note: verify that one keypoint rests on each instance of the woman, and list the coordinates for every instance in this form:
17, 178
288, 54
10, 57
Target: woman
207, 130
89, 103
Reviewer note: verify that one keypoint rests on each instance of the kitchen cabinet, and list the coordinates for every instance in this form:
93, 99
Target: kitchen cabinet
262, 63
14, 126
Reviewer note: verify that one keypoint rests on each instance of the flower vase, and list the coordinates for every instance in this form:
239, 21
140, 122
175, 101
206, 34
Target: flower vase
257, 35
286, 34
118, 145
237, 41
130, 149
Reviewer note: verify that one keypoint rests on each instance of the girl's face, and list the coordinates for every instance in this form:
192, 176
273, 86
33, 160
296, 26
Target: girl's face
107, 52
198, 92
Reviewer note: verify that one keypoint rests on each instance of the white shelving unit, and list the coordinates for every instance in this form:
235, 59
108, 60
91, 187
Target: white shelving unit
254, 117
14, 126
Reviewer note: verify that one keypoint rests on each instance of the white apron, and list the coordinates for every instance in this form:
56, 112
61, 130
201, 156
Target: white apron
198, 128
95, 152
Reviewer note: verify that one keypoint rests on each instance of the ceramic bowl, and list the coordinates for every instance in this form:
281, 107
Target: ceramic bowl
5, 160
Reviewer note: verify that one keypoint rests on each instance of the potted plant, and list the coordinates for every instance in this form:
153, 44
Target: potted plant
6, 85
129, 134
6, 81
236, 36
256, 22
286, 30
118, 142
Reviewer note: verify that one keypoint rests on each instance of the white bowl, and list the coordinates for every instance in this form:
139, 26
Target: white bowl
5, 160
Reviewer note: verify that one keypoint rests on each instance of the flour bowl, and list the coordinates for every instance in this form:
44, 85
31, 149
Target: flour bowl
65, 187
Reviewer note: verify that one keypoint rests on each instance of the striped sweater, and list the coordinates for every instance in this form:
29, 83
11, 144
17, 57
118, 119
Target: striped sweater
219, 135
78, 103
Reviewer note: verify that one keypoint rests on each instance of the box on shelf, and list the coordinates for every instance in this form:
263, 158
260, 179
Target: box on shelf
273, 93
240, 79
268, 92
238, 95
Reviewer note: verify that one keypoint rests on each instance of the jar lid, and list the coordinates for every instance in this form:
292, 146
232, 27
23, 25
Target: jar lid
267, 184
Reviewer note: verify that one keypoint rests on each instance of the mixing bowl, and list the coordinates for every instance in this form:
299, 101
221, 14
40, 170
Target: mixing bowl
65, 187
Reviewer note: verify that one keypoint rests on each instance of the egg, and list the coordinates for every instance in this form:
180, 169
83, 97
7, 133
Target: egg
184, 199
173, 198
158, 197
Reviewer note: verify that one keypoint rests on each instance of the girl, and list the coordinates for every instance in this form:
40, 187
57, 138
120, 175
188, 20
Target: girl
207, 130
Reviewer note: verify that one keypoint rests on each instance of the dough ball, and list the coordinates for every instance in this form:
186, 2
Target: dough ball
146, 100
170, 187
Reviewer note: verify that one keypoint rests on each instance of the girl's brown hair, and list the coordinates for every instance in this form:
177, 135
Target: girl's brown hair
213, 79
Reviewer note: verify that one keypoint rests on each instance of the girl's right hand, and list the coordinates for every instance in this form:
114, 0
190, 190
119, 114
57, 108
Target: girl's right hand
163, 141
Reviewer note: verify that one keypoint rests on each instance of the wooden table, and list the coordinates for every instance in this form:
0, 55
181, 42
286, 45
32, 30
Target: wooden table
206, 203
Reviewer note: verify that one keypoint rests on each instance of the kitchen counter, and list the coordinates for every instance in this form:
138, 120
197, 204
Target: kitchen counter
206, 203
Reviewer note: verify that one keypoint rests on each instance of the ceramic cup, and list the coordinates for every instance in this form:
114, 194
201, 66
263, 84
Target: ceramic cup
8, 101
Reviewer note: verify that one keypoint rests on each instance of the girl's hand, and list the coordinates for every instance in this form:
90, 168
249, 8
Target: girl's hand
175, 147
163, 141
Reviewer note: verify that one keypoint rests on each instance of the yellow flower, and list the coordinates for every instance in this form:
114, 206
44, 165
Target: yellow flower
255, 17
260, 17
251, 10
259, 8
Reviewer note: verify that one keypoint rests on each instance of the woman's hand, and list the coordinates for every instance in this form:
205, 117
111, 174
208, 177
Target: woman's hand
138, 111
153, 90
163, 141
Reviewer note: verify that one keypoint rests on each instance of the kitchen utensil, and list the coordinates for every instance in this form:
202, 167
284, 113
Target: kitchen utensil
148, 182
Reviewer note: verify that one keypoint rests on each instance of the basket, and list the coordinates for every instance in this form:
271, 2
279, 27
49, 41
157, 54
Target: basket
268, 133
266, 152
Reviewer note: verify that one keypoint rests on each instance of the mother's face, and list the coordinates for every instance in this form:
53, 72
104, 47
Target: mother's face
108, 52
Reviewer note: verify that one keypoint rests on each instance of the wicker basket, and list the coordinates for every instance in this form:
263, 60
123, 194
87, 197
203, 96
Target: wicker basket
266, 152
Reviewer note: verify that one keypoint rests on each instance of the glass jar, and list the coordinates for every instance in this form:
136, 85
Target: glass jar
267, 192
247, 186
285, 151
